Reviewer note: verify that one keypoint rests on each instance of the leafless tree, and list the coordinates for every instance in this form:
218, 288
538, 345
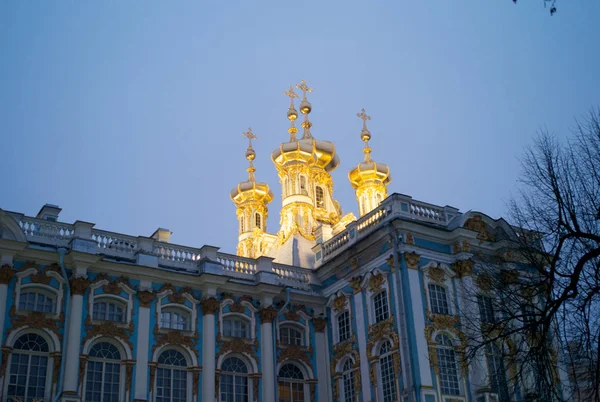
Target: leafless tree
538, 291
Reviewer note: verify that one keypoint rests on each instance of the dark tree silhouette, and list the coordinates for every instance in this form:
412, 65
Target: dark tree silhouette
536, 302
551, 4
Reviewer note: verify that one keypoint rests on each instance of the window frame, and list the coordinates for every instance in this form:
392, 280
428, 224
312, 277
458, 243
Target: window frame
109, 300
286, 325
448, 350
246, 376
290, 381
386, 300
350, 375
178, 310
240, 318
431, 298
38, 291
184, 368
319, 197
338, 326
394, 376
104, 361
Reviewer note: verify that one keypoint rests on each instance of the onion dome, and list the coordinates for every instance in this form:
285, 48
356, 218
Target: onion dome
250, 190
368, 171
307, 149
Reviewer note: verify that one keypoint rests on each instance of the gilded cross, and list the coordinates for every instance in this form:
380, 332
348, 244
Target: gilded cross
364, 117
291, 94
304, 88
250, 135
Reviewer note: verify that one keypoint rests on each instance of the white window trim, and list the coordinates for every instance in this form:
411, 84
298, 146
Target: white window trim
370, 296
56, 294
379, 387
122, 373
252, 369
191, 361
308, 375
303, 328
127, 302
462, 386
340, 380
447, 284
251, 318
192, 312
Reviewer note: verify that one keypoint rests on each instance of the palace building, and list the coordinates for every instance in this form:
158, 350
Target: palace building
332, 307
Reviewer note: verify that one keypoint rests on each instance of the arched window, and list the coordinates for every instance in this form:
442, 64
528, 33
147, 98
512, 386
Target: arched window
28, 368
497, 372
236, 327
303, 186
348, 382
290, 335
109, 310
234, 381
319, 197
174, 319
438, 299
258, 220
290, 384
380, 305
447, 365
343, 324
103, 373
387, 373
171, 377
36, 301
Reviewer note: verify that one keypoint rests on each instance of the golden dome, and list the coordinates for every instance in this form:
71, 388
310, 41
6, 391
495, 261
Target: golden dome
368, 171
250, 190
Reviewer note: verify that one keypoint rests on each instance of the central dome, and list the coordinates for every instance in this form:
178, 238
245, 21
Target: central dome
313, 152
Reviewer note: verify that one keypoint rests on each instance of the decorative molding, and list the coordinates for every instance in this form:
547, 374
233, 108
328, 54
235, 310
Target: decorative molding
379, 331
436, 274
463, 267
108, 329
477, 224
439, 322
376, 282
320, 324
391, 262
174, 337
267, 314
82, 366
145, 297
292, 315
176, 296
195, 381
355, 284
209, 306
295, 353
128, 374
237, 345
459, 247
346, 348
6, 274
6, 351
412, 260
339, 303
79, 285
35, 319
509, 276
484, 282
39, 277
153, 366
409, 238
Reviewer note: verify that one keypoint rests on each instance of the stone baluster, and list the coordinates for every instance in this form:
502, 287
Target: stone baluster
209, 308
267, 315
78, 287
145, 297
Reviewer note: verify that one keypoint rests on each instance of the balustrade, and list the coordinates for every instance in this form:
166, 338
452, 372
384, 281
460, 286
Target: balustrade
114, 244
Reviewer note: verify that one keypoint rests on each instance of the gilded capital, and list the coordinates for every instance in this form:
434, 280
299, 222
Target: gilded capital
320, 324
6, 274
339, 303
145, 297
355, 284
209, 306
412, 260
267, 314
79, 285
463, 267
376, 282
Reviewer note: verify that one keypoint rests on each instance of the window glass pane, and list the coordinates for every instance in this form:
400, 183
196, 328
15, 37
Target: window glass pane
388, 376
486, 309
290, 336
380, 303
236, 327
438, 299
171, 380
28, 368
343, 321
35, 301
448, 370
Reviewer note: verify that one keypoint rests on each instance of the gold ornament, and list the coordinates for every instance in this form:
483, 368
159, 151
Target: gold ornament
436, 274
209, 306
267, 314
339, 303
412, 260
376, 282
463, 267
355, 284
145, 297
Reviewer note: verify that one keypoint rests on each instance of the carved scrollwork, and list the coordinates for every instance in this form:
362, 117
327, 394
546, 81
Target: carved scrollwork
145, 297
463, 267
238, 345
295, 353
477, 224
436, 274
79, 285
6, 274
339, 303
5, 354
40, 278
379, 331
35, 319
267, 314
355, 284
376, 282
174, 337
320, 324
209, 306
108, 329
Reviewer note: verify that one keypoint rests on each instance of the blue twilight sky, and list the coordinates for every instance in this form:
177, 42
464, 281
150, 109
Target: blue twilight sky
129, 114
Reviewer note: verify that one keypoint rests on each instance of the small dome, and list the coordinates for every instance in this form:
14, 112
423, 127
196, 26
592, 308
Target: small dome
369, 171
251, 191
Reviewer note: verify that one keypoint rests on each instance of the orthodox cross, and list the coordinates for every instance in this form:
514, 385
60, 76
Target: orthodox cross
304, 88
292, 95
250, 135
364, 117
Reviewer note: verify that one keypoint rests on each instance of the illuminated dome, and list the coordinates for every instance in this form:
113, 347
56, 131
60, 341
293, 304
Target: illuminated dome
307, 150
370, 171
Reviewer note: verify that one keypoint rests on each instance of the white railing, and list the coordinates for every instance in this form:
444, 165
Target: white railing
43, 231
371, 219
427, 212
336, 242
114, 244
174, 253
233, 263
293, 276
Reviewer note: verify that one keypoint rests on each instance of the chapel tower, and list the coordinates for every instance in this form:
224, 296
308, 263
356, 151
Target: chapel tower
251, 200
304, 165
369, 179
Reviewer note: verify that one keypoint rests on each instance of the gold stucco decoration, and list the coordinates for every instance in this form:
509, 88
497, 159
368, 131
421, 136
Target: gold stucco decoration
436, 274
5, 354
40, 278
379, 331
209, 306
295, 353
339, 303
484, 282
195, 380
175, 337
35, 319
145, 297
509, 276
477, 224
376, 282
108, 329
6, 274
237, 345
267, 314
346, 348
391, 262
412, 260
320, 324
463, 267
409, 238
79, 285
355, 284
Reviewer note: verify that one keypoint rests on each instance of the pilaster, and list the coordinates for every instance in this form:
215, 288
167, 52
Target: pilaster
323, 359
6, 275
362, 345
145, 297
267, 315
209, 308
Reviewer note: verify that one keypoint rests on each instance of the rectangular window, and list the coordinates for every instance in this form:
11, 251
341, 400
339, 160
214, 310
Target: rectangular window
438, 299
236, 328
486, 309
380, 304
343, 321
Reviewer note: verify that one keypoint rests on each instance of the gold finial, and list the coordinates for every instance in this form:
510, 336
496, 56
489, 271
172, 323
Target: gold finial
365, 134
305, 109
292, 114
250, 154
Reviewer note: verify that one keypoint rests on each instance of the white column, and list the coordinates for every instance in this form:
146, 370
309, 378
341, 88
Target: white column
403, 348
6, 275
267, 315
362, 346
209, 308
71, 378
141, 354
324, 384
